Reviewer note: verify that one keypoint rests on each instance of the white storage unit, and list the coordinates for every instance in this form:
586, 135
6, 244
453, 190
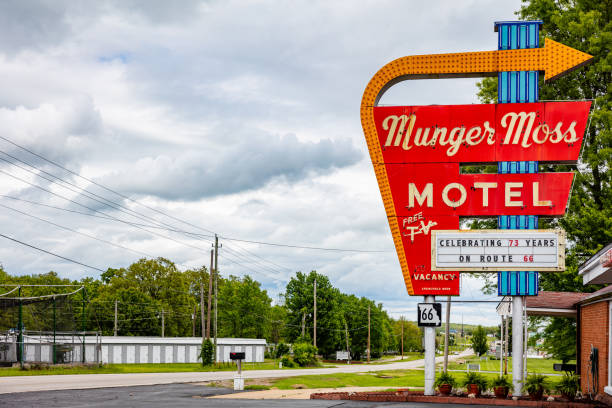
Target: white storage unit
132, 349
127, 349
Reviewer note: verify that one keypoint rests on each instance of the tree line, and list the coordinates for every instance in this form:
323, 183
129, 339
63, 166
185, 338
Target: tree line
584, 25
153, 297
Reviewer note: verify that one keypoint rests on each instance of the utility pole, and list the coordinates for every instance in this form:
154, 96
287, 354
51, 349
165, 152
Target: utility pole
83, 325
163, 322
368, 334
314, 336
115, 327
54, 333
447, 332
202, 317
216, 288
20, 328
347, 343
402, 320
303, 324
210, 286
193, 321
506, 318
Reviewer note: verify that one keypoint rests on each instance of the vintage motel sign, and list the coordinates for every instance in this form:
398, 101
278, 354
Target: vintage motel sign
416, 152
497, 250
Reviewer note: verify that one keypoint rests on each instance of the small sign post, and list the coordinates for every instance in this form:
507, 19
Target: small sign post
429, 314
238, 356
343, 355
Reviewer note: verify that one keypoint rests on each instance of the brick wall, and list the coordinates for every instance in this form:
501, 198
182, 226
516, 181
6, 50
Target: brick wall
594, 331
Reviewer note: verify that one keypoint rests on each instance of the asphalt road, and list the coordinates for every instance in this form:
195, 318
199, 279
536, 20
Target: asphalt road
174, 396
87, 381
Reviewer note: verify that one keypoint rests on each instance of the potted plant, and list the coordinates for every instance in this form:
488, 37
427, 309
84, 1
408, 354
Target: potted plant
501, 386
535, 385
445, 383
475, 383
568, 386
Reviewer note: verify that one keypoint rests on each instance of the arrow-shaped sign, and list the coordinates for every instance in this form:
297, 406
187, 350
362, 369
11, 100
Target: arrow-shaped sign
554, 59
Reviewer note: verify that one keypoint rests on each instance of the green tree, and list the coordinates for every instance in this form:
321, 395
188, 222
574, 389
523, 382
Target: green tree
299, 298
197, 283
244, 308
207, 354
137, 313
479, 341
159, 280
584, 25
278, 318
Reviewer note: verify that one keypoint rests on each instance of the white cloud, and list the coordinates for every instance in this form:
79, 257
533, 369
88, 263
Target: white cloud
240, 117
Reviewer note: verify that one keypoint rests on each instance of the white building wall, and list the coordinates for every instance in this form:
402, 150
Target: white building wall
129, 350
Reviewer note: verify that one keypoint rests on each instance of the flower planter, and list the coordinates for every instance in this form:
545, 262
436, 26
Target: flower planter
445, 389
473, 389
501, 392
536, 396
568, 396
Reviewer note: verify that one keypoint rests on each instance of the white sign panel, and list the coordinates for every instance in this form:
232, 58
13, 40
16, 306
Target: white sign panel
498, 250
429, 314
342, 355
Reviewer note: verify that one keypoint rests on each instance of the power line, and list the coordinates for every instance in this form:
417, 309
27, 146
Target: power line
301, 246
81, 233
97, 211
106, 216
52, 253
176, 218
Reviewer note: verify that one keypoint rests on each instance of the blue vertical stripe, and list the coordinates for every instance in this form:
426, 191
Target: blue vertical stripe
517, 87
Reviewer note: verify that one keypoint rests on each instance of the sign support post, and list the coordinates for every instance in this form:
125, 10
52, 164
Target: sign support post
518, 87
517, 344
430, 354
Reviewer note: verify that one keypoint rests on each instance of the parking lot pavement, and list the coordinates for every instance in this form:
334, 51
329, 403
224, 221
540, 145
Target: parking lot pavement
173, 396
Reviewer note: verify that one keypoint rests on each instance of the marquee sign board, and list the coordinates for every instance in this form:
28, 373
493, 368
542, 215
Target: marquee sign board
416, 152
496, 250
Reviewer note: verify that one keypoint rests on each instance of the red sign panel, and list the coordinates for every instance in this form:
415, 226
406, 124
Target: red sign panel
439, 189
545, 131
416, 239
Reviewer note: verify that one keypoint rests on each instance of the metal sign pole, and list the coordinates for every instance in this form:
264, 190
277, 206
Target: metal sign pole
517, 344
430, 354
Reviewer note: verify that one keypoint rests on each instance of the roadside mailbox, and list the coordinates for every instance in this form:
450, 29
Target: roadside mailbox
238, 356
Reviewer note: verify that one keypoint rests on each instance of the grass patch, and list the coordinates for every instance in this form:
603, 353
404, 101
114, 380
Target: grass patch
256, 387
399, 378
133, 368
390, 379
534, 365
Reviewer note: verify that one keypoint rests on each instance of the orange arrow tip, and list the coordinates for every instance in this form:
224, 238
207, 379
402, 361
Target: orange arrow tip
561, 59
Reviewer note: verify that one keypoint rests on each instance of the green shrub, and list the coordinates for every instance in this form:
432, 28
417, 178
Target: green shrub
281, 350
305, 354
288, 362
501, 381
445, 378
569, 384
207, 352
535, 383
475, 378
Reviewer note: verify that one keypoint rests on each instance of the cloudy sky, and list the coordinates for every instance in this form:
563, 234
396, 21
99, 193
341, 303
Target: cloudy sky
234, 117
